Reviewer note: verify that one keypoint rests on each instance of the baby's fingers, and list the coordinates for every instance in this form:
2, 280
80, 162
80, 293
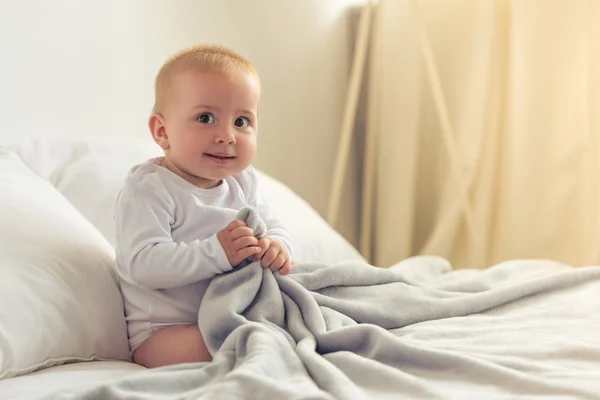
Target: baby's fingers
245, 241
247, 252
260, 255
264, 245
286, 269
270, 255
241, 231
235, 224
278, 263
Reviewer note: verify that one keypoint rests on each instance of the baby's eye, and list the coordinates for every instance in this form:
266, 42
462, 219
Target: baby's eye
242, 122
206, 118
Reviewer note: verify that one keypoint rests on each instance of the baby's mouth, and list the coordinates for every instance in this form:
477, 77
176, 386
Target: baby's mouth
219, 155
220, 158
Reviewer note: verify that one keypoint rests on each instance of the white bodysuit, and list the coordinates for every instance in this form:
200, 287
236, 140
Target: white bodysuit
166, 242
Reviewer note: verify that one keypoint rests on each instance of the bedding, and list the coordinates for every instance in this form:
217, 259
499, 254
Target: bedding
49, 380
59, 296
336, 328
57, 275
522, 329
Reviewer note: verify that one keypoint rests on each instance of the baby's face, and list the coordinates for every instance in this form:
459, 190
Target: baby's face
211, 124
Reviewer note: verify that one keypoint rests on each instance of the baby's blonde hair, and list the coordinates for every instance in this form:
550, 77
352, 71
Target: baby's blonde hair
203, 57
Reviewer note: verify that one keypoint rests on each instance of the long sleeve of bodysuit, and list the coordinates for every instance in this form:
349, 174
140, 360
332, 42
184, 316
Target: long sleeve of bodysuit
146, 252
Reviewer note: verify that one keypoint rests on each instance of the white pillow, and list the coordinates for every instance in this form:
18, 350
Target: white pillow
59, 300
314, 239
90, 173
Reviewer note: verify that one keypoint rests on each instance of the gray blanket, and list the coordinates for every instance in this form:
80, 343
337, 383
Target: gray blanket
522, 329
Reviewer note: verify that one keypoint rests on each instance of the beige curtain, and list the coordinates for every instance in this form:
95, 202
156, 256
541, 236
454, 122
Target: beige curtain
482, 138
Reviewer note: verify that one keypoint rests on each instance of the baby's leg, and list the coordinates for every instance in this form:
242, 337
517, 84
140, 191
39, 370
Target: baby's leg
173, 345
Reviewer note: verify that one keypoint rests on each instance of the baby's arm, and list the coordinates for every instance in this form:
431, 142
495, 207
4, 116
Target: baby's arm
275, 227
277, 246
147, 252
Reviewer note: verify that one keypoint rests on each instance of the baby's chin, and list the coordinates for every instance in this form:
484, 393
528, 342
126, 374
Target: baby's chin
219, 174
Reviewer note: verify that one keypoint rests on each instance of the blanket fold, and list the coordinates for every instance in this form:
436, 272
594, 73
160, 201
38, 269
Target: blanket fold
418, 330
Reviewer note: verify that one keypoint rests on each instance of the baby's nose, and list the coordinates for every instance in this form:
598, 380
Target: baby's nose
225, 136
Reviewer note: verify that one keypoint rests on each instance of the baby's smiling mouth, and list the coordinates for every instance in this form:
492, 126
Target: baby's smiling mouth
220, 158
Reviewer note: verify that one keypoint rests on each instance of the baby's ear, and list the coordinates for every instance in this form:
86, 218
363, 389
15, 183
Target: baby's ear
156, 123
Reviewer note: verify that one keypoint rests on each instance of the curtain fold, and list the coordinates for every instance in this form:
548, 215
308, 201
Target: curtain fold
482, 132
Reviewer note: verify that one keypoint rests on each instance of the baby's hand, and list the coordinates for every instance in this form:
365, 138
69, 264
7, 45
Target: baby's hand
274, 256
238, 241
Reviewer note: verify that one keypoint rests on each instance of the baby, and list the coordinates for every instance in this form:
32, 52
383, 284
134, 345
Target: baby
175, 216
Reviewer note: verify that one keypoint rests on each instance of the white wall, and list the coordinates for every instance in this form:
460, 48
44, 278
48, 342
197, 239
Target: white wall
87, 68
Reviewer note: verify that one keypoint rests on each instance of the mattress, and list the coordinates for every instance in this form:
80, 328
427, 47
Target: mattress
50, 380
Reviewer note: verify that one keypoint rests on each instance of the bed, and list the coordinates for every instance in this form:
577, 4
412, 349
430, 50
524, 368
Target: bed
521, 329
74, 183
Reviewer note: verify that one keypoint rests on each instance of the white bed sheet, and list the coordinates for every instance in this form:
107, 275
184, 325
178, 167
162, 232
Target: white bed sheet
48, 381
